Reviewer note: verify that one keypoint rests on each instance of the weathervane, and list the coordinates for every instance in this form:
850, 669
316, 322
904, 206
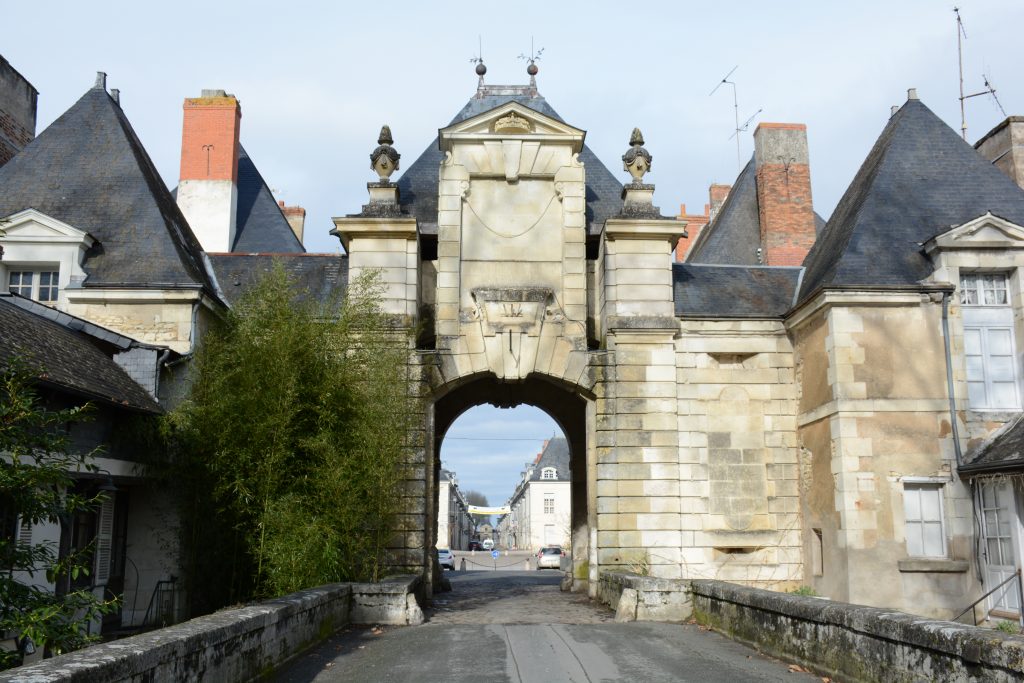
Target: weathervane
481, 69
531, 60
736, 113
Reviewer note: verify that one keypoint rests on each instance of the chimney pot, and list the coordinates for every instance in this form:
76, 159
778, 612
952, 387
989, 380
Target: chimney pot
912, 94
115, 94
101, 80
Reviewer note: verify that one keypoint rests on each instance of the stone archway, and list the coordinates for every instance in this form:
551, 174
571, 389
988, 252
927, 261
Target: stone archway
570, 406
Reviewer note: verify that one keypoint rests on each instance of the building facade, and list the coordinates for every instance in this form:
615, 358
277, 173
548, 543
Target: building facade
799, 402
541, 505
454, 523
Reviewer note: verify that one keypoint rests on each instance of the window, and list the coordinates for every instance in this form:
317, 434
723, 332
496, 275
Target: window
41, 285
989, 345
925, 531
548, 473
549, 505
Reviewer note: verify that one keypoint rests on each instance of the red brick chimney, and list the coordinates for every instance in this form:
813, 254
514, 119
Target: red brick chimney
717, 194
208, 187
296, 217
783, 193
695, 222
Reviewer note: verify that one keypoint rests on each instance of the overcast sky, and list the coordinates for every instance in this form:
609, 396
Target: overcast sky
317, 80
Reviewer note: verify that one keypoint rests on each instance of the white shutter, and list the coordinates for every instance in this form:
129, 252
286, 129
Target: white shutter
104, 539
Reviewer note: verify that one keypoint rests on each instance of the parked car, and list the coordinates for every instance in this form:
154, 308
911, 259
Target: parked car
446, 558
475, 545
488, 544
550, 558
551, 547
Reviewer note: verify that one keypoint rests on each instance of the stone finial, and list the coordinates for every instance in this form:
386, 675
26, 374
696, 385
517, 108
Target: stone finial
384, 159
637, 160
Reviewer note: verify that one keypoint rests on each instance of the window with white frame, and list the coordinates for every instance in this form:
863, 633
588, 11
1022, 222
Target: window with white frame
548, 473
925, 528
41, 285
989, 344
549, 505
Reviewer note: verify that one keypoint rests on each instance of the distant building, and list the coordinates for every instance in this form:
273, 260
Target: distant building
454, 525
542, 502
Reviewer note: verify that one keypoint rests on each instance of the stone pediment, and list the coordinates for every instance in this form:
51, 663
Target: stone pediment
511, 121
35, 226
984, 232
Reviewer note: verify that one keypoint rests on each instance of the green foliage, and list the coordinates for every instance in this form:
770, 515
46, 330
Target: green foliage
291, 444
476, 498
1010, 627
806, 591
35, 487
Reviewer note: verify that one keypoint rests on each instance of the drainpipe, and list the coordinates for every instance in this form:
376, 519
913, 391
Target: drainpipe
949, 379
159, 364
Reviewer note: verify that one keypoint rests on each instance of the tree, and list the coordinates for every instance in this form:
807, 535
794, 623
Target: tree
475, 498
291, 447
35, 487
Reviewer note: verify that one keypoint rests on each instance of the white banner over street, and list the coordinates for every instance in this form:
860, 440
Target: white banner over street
480, 510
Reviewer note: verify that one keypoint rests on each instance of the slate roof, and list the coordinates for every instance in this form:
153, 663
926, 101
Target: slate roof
322, 276
555, 454
89, 170
919, 180
418, 184
67, 359
735, 234
712, 291
1003, 453
260, 226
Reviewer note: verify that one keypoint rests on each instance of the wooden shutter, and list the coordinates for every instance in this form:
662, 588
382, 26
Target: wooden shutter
104, 540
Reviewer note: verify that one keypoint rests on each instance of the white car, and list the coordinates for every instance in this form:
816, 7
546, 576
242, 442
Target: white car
446, 558
550, 558
488, 544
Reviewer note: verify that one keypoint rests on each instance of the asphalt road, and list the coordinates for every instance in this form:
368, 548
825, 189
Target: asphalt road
517, 627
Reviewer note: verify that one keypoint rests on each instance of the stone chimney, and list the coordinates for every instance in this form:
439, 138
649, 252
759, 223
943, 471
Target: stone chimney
208, 187
717, 194
296, 217
784, 193
695, 222
1004, 147
18, 99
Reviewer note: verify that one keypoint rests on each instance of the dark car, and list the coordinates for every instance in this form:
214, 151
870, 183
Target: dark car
475, 545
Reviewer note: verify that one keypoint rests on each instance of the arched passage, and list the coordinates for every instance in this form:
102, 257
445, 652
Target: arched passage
567, 405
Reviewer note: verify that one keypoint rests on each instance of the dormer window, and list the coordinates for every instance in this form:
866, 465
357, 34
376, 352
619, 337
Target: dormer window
548, 473
41, 285
983, 289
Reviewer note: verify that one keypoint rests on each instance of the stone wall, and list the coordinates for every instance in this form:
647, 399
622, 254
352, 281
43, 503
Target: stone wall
854, 643
234, 645
17, 111
645, 598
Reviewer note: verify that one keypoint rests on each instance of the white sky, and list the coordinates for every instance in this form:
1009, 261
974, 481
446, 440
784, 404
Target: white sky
317, 80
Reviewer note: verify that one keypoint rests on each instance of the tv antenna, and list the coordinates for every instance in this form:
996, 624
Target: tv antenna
961, 35
736, 115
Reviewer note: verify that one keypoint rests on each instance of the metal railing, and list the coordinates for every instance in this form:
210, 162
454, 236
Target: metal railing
1020, 600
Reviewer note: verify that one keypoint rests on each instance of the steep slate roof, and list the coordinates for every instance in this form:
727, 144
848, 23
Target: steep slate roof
418, 183
260, 227
710, 291
734, 235
66, 358
89, 170
555, 454
919, 180
1003, 453
322, 276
